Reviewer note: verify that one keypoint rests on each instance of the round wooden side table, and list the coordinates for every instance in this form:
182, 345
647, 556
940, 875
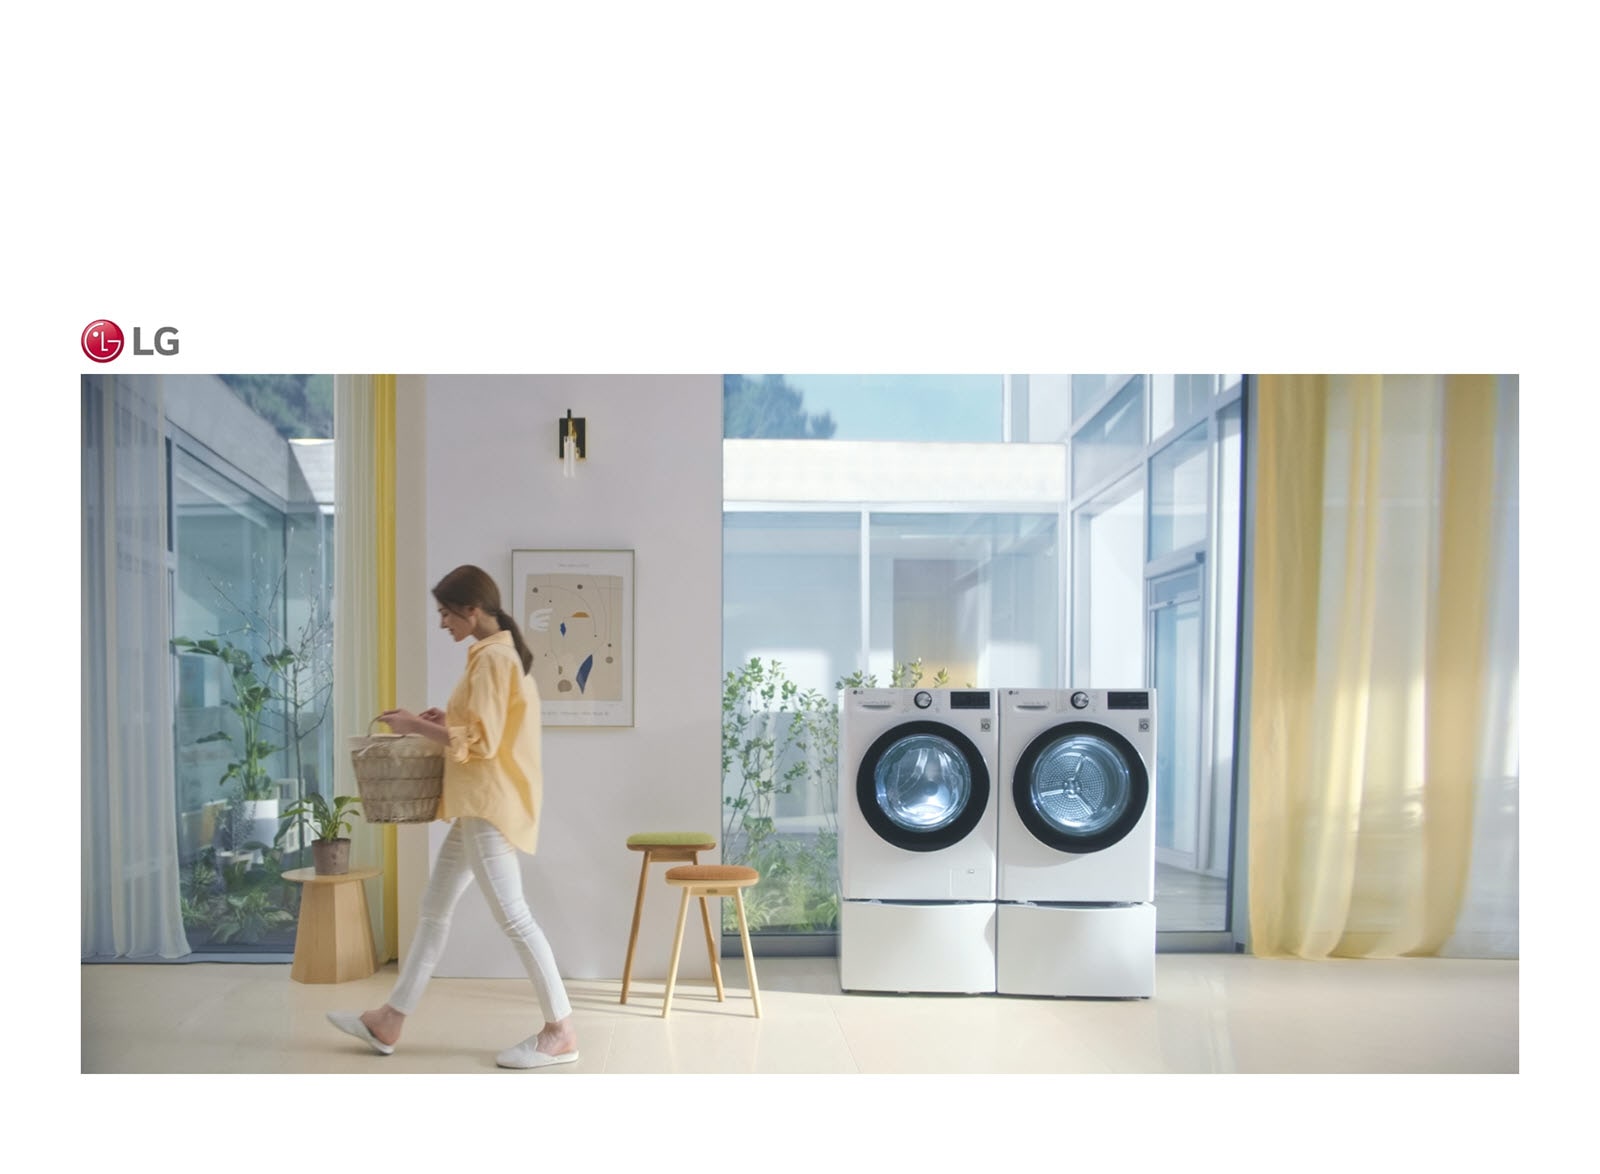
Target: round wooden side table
333, 942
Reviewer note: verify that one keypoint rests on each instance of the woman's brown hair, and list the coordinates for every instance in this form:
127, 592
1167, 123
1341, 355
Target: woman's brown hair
469, 586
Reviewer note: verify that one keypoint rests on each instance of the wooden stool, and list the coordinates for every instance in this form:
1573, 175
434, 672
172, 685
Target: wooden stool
334, 940
667, 847
712, 880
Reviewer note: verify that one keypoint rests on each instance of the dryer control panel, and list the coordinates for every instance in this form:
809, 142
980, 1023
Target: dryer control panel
1118, 699
1083, 703
931, 702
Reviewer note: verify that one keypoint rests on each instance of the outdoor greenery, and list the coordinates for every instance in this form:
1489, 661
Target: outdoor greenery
777, 737
251, 696
767, 407
234, 889
233, 902
298, 406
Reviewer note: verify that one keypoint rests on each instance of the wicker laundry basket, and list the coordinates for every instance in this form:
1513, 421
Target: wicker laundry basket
400, 776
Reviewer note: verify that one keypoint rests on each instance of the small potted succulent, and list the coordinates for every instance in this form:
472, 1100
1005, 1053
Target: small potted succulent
330, 851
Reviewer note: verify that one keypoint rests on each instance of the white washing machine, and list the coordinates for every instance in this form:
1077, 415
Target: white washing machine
918, 803
1076, 886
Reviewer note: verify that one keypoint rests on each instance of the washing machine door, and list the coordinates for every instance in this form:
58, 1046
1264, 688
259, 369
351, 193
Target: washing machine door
923, 786
1080, 787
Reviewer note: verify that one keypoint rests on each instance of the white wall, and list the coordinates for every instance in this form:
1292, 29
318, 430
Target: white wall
489, 482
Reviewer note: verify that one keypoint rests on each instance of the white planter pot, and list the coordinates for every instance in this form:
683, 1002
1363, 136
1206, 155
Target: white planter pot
261, 817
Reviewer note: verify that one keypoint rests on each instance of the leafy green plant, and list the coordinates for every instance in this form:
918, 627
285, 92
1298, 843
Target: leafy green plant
776, 737
330, 821
251, 696
248, 917
768, 727
232, 901
904, 675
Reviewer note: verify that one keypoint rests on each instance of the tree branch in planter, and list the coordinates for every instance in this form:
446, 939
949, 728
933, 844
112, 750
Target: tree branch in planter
299, 663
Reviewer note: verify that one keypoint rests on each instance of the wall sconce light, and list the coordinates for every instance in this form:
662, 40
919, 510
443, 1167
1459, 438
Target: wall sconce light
572, 439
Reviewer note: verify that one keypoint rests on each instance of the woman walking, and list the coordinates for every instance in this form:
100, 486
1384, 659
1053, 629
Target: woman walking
492, 788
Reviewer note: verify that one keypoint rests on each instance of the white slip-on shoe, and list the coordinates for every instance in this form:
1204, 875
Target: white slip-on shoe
527, 1055
350, 1023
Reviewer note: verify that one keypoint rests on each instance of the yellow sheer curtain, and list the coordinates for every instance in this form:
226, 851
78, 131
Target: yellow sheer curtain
363, 641
1372, 575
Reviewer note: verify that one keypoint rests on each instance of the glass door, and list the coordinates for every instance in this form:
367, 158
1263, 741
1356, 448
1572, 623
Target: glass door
923, 786
1176, 628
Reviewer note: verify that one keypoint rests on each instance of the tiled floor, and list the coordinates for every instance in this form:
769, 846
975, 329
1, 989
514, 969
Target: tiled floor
1211, 1013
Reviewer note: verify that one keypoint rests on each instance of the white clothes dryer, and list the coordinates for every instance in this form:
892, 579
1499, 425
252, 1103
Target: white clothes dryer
1077, 822
918, 801
1076, 850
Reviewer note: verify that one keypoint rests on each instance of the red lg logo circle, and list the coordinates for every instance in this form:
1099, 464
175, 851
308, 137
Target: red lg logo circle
102, 340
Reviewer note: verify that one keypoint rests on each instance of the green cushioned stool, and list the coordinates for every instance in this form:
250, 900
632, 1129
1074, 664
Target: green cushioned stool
668, 848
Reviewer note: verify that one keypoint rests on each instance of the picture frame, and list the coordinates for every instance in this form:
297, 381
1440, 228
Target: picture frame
575, 609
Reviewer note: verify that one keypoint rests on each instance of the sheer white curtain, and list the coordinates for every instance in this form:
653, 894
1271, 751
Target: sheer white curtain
355, 605
129, 821
1487, 926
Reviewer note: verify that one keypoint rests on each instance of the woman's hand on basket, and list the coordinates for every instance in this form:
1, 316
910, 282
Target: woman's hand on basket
402, 721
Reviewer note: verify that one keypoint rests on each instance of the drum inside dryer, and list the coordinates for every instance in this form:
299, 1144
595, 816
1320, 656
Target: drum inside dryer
1080, 785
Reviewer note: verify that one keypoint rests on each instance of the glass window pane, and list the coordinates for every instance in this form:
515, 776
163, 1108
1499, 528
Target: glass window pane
1086, 389
1186, 898
1108, 625
791, 592
972, 595
978, 597
229, 549
1162, 401
1192, 395
1177, 682
865, 407
1178, 493
1177, 399
1112, 440
251, 579
1051, 407
791, 619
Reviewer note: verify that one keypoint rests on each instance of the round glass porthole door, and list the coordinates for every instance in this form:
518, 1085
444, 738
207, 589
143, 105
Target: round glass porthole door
923, 786
1080, 787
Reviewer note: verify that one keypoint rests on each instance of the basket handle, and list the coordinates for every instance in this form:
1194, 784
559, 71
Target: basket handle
369, 745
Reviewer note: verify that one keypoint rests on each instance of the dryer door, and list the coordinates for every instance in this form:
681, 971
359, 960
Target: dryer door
923, 786
1080, 787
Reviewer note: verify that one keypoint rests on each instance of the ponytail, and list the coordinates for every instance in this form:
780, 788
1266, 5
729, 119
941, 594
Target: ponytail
508, 624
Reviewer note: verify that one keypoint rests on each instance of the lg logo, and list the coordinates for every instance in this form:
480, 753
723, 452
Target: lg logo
102, 341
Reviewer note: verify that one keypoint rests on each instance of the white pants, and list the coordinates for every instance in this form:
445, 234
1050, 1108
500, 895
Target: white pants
475, 848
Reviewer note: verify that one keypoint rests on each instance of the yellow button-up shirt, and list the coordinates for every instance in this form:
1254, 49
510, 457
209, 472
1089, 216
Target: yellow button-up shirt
491, 766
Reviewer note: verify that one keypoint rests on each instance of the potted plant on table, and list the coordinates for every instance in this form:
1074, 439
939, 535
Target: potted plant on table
330, 850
